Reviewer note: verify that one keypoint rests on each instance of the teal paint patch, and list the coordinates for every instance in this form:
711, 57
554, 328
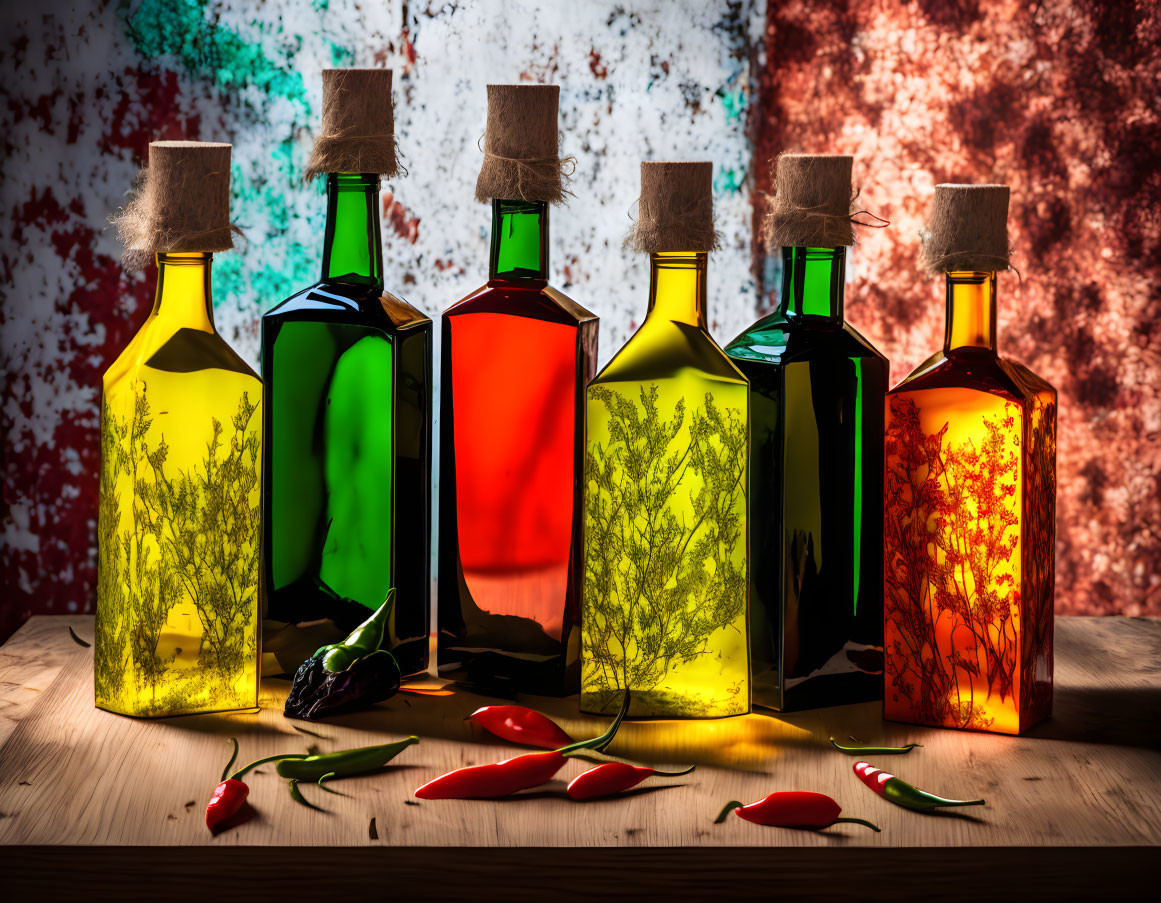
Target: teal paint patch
734, 103
728, 180
205, 48
341, 57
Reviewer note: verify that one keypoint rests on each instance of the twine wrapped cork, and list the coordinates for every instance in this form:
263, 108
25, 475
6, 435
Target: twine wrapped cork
812, 202
521, 146
967, 229
676, 208
182, 203
358, 124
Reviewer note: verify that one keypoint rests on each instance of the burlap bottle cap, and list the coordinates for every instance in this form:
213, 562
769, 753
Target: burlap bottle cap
358, 124
967, 229
521, 149
182, 202
676, 208
812, 202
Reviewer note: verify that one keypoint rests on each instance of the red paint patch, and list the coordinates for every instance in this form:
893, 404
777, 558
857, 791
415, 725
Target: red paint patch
396, 215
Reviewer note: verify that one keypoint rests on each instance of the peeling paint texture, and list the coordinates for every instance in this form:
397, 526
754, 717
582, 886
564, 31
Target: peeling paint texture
1058, 99
87, 86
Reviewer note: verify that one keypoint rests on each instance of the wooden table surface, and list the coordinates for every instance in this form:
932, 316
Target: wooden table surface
96, 801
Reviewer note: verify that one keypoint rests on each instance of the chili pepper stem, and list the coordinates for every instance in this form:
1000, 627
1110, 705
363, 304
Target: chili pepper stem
233, 759
327, 777
599, 743
296, 795
726, 810
859, 821
237, 775
874, 750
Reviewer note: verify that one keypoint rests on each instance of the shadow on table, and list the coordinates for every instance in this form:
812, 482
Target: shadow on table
1125, 716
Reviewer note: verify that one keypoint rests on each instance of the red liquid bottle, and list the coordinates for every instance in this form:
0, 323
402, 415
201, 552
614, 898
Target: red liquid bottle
517, 355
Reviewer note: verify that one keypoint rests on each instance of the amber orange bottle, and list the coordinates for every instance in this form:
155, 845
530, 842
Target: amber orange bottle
517, 355
969, 501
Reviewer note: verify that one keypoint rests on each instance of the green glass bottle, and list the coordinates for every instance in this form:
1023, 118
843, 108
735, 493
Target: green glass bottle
347, 370
666, 432
816, 462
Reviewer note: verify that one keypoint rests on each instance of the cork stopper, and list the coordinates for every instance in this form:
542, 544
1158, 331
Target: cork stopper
676, 208
812, 202
182, 202
967, 229
521, 148
358, 124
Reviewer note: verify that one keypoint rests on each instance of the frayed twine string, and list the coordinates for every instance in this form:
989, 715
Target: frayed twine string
536, 170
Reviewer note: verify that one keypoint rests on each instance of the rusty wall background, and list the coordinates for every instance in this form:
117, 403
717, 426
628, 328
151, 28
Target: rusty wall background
1060, 99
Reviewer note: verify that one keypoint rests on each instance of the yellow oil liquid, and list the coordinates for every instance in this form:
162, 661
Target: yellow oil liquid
664, 609
178, 524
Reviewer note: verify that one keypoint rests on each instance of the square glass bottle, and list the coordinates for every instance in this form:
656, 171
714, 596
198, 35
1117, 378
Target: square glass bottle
969, 502
516, 356
664, 606
347, 369
816, 465
178, 537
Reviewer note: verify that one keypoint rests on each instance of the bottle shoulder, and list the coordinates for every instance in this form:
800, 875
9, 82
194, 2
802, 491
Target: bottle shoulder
977, 370
335, 302
669, 349
534, 299
159, 347
778, 340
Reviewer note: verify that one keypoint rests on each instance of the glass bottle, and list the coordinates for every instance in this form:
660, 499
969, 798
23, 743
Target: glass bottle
666, 515
816, 482
178, 534
517, 354
347, 369
969, 530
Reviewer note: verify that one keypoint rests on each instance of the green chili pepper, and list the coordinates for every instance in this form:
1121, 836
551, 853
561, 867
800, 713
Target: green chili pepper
343, 764
363, 640
322, 786
874, 750
903, 794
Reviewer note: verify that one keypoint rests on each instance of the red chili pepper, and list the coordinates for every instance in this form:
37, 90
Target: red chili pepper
511, 775
903, 794
229, 795
227, 800
521, 725
613, 777
495, 779
792, 809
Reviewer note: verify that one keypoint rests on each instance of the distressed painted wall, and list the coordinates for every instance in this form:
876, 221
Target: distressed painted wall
86, 91
1059, 100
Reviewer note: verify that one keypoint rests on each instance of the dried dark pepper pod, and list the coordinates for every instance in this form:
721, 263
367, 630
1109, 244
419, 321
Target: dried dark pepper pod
346, 676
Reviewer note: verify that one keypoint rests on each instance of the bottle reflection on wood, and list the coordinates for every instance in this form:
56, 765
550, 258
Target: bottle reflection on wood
970, 500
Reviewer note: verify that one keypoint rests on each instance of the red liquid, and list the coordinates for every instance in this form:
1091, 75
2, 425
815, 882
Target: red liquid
516, 361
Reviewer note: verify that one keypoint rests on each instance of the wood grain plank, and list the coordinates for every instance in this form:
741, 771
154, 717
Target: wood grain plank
76, 777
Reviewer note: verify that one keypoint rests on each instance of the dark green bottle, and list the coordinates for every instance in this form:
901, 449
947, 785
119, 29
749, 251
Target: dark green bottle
347, 414
816, 466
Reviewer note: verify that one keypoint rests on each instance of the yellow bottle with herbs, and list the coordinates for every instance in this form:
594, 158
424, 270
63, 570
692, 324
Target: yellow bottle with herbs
179, 494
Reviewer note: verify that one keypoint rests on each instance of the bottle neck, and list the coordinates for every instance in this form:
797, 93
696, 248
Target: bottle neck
812, 282
677, 287
971, 311
519, 241
184, 297
353, 246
